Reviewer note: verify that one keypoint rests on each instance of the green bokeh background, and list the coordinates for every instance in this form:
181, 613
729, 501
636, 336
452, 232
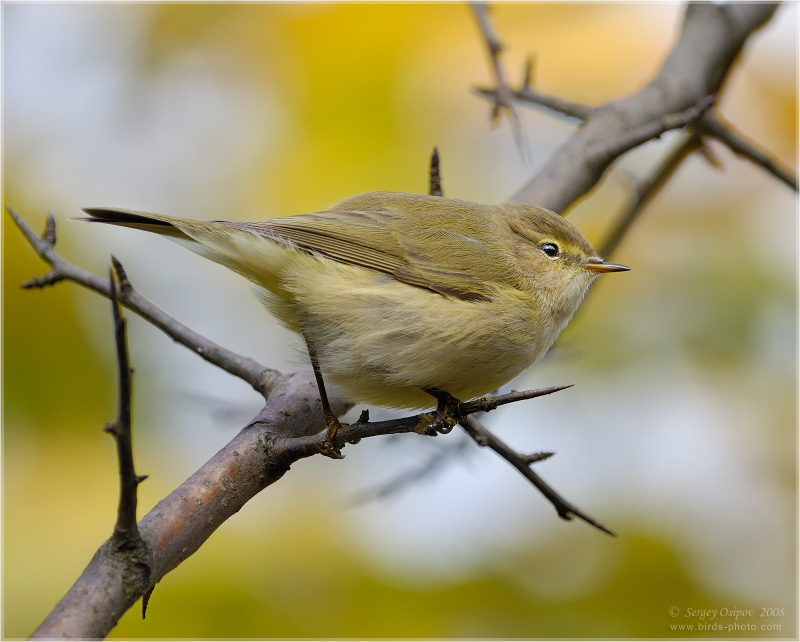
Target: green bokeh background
680, 432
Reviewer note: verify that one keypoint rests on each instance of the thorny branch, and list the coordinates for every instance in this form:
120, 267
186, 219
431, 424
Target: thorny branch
523, 463
135, 557
711, 38
711, 125
121, 570
502, 94
125, 529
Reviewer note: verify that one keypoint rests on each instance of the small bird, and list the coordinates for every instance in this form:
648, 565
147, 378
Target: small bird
403, 298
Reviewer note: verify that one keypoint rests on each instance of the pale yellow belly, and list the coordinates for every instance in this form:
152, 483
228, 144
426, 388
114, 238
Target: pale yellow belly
382, 341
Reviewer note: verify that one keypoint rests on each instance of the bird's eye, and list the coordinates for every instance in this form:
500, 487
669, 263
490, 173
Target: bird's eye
551, 249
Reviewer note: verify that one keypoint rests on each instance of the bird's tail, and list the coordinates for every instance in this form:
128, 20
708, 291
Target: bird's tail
162, 225
254, 256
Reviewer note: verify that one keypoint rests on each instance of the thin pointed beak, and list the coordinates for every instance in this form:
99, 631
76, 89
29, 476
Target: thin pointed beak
596, 264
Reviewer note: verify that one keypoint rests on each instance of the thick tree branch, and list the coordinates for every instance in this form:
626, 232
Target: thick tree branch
289, 428
711, 38
179, 524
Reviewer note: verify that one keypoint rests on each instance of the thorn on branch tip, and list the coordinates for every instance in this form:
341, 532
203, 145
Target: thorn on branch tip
146, 601
49, 234
527, 78
435, 175
122, 278
540, 456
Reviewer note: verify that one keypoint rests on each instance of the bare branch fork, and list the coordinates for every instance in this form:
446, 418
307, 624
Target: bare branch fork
123, 565
679, 95
126, 541
503, 95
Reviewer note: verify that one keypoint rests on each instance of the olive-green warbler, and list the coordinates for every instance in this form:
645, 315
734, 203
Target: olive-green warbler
403, 296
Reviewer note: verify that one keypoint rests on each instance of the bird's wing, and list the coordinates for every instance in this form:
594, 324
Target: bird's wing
441, 260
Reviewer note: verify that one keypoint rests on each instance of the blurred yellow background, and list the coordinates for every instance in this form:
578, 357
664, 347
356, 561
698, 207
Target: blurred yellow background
680, 433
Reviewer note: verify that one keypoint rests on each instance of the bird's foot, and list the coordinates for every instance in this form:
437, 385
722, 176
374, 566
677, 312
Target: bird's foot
332, 426
447, 414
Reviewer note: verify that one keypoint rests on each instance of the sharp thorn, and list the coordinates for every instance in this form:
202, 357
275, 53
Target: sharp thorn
49, 234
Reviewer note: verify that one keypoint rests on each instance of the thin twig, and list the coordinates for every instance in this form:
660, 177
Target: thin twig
125, 529
522, 463
137, 560
503, 95
712, 125
571, 110
648, 188
262, 379
422, 422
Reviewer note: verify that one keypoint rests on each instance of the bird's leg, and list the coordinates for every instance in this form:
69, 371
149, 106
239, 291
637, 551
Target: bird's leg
332, 423
447, 414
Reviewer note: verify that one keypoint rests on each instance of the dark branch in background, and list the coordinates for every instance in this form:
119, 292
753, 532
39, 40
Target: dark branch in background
426, 469
712, 125
646, 189
526, 93
502, 95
